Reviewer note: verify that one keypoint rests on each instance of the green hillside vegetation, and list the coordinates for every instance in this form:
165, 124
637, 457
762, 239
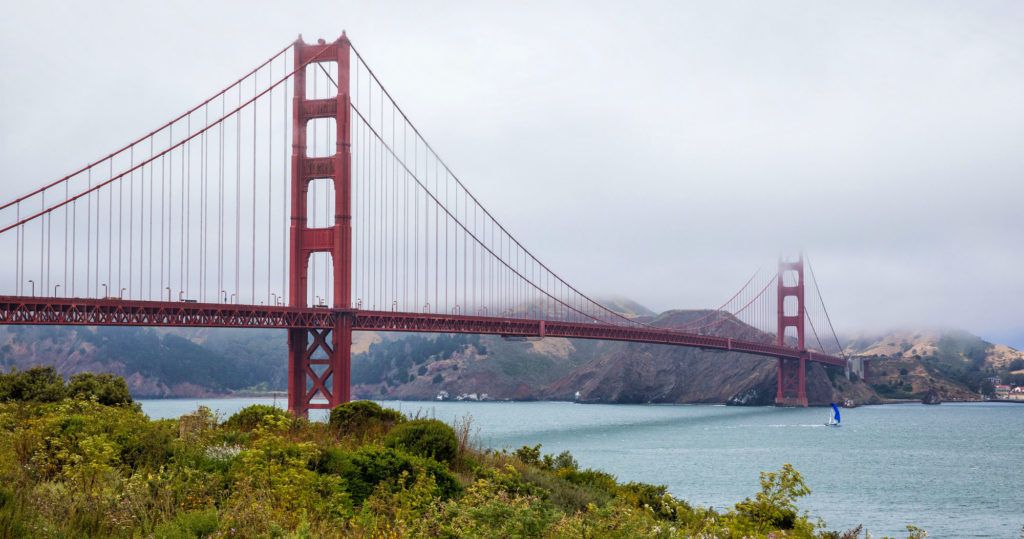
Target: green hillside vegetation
959, 358
166, 357
75, 462
392, 361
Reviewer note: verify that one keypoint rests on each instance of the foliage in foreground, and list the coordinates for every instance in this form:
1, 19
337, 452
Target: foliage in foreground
75, 467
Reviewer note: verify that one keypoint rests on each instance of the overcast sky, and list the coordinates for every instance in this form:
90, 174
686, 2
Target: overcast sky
659, 151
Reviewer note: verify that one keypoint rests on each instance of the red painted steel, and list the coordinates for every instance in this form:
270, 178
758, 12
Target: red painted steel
319, 373
15, 310
98, 312
791, 387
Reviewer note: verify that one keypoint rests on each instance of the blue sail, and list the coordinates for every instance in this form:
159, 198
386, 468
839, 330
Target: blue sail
835, 410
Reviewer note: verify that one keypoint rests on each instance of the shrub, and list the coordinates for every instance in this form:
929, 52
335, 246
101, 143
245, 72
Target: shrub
564, 461
557, 490
107, 389
361, 416
197, 424
189, 524
37, 384
532, 456
657, 498
366, 468
426, 438
252, 416
603, 481
488, 510
775, 506
529, 455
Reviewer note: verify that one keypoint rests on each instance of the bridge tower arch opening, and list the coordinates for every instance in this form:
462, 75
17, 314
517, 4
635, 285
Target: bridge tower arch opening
791, 387
319, 360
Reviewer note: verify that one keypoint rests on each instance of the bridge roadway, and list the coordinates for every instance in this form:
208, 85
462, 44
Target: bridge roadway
22, 310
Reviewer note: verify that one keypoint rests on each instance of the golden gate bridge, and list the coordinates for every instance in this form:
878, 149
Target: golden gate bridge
302, 197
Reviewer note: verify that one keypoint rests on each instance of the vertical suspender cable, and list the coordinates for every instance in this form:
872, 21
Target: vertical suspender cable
255, 105
270, 175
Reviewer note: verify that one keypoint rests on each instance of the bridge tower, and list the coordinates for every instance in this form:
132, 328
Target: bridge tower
319, 360
791, 387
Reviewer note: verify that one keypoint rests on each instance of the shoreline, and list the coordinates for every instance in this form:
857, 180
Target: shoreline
284, 398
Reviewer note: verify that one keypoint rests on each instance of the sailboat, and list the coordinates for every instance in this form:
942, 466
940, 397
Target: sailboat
834, 418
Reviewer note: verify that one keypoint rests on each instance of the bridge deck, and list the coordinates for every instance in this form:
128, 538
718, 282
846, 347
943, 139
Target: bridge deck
19, 310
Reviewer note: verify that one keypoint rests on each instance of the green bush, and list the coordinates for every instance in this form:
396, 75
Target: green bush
563, 461
426, 438
557, 490
43, 384
201, 523
602, 481
252, 416
37, 384
528, 455
361, 416
363, 470
775, 506
107, 389
657, 498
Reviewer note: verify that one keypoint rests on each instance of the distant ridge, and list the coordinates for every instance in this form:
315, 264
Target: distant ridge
200, 362
626, 307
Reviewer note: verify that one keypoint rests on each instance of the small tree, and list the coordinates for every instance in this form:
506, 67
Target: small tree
37, 384
107, 389
361, 416
429, 438
775, 506
255, 415
528, 455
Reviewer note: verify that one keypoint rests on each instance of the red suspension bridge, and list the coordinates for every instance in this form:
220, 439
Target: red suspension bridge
302, 197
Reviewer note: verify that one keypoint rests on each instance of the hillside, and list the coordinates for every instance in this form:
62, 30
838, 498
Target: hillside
554, 368
955, 364
209, 362
155, 363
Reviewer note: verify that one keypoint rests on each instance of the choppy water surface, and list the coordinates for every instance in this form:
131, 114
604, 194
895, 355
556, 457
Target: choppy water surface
956, 470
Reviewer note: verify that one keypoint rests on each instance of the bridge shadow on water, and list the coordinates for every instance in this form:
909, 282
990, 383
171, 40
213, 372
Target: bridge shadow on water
677, 418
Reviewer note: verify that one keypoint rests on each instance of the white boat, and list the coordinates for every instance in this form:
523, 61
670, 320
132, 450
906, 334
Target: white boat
834, 418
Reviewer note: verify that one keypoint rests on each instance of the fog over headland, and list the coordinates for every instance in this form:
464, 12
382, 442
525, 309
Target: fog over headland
659, 151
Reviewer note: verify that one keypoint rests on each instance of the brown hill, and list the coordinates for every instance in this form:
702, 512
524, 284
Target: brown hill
633, 373
554, 368
953, 364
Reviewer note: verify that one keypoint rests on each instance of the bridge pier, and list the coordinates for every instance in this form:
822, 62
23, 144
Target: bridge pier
319, 366
791, 382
